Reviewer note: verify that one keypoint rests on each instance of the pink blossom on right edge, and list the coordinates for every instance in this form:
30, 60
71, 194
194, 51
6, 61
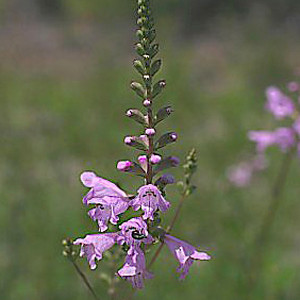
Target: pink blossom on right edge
278, 103
185, 253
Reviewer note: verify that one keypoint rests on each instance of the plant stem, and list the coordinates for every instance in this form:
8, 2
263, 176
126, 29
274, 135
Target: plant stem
169, 229
85, 280
268, 220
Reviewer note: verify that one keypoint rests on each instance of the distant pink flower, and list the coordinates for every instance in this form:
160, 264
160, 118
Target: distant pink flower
134, 269
93, 246
293, 86
240, 175
284, 138
278, 103
109, 199
149, 199
185, 253
262, 138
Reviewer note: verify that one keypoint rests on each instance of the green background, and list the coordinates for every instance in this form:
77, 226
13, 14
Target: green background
65, 67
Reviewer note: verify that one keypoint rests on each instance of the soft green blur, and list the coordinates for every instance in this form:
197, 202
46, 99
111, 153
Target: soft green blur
64, 74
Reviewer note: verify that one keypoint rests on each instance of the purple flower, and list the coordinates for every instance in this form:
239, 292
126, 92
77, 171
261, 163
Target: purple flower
293, 86
133, 233
150, 131
147, 103
92, 246
134, 269
110, 200
143, 161
155, 159
278, 103
240, 175
124, 165
184, 253
284, 138
149, 199
263, 139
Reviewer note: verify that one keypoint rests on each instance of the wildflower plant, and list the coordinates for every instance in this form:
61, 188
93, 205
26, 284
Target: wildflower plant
132, 223
286, 138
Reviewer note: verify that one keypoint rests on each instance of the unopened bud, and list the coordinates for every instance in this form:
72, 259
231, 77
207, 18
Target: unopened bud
147, 102
155, 159
124, 165
150, 131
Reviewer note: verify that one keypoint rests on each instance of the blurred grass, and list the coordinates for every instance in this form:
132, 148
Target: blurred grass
60, 118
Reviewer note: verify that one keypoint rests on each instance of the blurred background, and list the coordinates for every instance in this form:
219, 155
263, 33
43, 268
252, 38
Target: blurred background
65, 67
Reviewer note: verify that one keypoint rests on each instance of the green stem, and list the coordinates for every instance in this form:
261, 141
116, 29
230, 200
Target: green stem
263, 236
169, 229
85, 280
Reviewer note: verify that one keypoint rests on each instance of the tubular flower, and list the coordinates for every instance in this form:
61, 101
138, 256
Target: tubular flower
109, 199
278, 103
149, 199
185, 253
92, 246
134, 269
133, 233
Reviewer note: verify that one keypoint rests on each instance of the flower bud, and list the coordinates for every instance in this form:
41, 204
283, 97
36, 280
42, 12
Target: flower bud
137, 116
138, 65
155, 159
293, 86
142, 159
139, 49
130, 167
138, 88
124, 165
136, 142
150, 131
147, 103
165, 139
169, 162
162, 114
155, 67
158, 87
153, 50
164, 180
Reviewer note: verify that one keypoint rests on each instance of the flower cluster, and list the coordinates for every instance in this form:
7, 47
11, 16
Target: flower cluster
107, 202
281, 106
110, 201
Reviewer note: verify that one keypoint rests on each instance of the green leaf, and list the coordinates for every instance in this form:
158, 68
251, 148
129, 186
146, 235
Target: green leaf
165, 139
162, 114
158, 87
155, 67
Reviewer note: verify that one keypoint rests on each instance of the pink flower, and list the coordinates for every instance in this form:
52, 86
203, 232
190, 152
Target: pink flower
185, 253
133, 233
284, 138
150, 131
278, 103
149, 199
134, 269
110, 200
263, 139
93, 246
155, 159
240, 175
124, 165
